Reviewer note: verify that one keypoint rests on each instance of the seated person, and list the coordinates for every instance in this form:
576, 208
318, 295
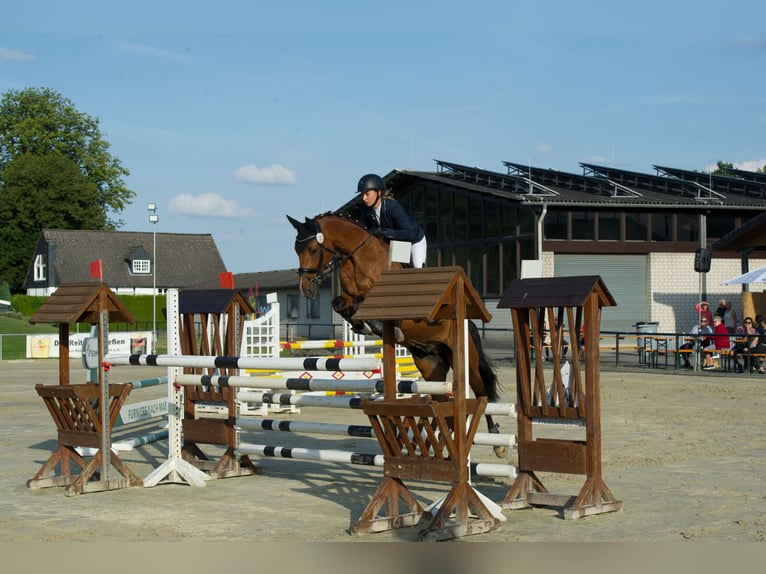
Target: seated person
718, 342
745, 338
697, 331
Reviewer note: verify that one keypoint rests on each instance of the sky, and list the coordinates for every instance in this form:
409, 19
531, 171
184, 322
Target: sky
234, 114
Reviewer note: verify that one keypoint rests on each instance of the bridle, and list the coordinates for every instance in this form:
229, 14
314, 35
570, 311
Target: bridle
337, 260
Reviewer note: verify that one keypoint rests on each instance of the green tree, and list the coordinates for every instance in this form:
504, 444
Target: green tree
41, 121
55, 171
722, 166
41, 191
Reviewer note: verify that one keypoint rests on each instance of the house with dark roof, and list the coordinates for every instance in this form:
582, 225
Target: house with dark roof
129, 263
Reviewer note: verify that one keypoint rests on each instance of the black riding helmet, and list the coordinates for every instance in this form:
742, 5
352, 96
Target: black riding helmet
370, 181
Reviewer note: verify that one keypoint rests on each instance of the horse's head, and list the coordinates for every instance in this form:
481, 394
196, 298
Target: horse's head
315, 260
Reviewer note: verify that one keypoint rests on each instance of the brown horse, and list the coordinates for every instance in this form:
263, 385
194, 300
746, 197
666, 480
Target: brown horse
330, 243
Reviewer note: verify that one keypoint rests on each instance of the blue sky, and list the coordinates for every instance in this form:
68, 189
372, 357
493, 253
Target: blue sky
231, 115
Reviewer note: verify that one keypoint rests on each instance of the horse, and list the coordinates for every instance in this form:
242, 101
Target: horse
328, 243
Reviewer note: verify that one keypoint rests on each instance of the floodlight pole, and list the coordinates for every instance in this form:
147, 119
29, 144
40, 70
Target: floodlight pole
154, 218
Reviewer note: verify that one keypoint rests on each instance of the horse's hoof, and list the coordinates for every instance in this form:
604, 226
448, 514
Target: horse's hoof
500, 451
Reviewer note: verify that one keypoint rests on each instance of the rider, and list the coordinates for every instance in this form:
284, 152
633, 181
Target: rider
384, 214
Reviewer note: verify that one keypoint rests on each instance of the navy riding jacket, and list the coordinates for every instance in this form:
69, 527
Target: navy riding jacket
394, 222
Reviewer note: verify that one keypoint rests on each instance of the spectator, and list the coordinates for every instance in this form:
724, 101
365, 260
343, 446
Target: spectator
698, 332
703, 310
564, 343
744, 339
726, 310
720, 341
760, 347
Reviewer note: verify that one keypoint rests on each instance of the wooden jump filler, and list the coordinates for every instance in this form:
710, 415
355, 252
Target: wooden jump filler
566, 307
84, 413
421, 438
211, 322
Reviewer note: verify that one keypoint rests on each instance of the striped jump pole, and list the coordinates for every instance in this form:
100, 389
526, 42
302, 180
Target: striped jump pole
315, 384
480, 438
365, 459
286, 399
329, 344
203, 362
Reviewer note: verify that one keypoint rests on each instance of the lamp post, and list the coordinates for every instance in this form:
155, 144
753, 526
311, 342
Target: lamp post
154, 218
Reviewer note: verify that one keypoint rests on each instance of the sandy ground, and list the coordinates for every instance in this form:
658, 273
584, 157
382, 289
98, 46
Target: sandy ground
686, 453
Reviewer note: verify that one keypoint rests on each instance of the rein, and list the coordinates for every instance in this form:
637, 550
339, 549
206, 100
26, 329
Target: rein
337, 259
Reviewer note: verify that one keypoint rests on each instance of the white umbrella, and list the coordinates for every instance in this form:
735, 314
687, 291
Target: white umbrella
757, 276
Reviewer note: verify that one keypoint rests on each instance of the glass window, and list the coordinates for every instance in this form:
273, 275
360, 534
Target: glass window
662, 227
459, 219
460, 258
719, 224
510, 271
609, 226
555, 225
583, 225
493, 270
445, 215
476, 271
636, 226
491, 218
293, 311
430, 219
312, 307
687, 227
141, 266
39, 268
527, 221
475, 216
509, 221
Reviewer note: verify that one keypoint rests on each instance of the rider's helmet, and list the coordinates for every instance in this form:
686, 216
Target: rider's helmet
370, 181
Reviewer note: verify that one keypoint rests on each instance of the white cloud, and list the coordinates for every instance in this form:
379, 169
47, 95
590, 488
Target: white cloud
274, 174
207, 205
753, 165
146, 50
542, 148
7, 54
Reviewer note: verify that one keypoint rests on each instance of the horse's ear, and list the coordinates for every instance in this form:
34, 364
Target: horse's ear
295, 223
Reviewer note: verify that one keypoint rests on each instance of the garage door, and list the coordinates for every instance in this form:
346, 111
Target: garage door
623, 275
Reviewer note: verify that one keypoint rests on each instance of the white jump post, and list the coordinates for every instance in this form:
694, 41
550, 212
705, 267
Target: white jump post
175, 469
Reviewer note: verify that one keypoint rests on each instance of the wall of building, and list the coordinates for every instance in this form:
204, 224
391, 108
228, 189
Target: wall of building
675, 287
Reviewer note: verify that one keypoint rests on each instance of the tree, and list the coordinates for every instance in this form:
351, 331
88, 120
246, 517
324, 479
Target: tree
55, 171
41, 191
41, 121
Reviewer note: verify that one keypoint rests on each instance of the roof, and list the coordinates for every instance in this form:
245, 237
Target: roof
600, 186
81, 303
264, 281
423, 293
749, 235
183, 259
216, 301
555, 292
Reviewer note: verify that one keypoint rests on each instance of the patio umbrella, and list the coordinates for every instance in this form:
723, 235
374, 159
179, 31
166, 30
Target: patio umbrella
757, 276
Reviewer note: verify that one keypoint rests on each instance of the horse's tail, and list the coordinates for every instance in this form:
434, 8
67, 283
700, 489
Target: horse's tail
486, 369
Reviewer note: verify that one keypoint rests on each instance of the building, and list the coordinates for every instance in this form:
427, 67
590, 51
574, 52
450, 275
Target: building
128, 264
638, 231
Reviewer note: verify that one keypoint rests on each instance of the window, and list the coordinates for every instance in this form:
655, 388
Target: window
39, 268
141, 267
583, 225
293, 311
312, 308
609, 224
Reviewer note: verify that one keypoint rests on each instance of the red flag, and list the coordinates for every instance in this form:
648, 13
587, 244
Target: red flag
96, 270
226, 280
